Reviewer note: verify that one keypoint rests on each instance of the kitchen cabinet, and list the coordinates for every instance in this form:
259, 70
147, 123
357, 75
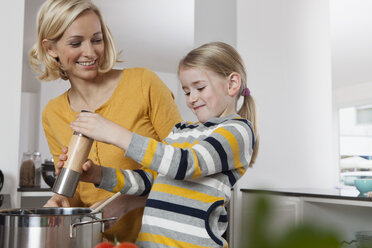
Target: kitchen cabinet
334, 210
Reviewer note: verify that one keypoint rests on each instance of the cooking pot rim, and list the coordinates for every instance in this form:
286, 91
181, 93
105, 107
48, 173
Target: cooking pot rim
51, 211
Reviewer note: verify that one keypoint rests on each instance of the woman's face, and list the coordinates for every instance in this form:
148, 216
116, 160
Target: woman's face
81, 48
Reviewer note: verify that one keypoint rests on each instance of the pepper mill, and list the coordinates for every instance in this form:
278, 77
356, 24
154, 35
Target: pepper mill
78, 151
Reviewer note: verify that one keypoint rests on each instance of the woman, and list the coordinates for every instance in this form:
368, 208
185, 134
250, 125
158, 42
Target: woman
74, 44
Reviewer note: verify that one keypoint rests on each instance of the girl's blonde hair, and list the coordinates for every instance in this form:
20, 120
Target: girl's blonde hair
54, 17
223, 59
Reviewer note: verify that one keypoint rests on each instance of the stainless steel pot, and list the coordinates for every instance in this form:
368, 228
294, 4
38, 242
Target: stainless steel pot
51, 227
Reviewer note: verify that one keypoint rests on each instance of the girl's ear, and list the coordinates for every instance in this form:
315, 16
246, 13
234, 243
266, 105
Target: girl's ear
49, 48
234, 83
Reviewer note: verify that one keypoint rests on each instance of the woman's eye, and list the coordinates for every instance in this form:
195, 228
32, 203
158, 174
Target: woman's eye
75, 44
187, 93
97, 40
201, 88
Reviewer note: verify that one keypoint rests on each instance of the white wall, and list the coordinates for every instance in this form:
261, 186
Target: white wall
11, 25
286, 48
48, 91
29, 134
215, 21
173, 83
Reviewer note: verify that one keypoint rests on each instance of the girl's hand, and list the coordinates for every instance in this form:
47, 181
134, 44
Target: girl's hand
101, 129
92, 173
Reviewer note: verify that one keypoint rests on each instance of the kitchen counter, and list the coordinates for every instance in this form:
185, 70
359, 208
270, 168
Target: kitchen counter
346, 193
340, 210
34, 197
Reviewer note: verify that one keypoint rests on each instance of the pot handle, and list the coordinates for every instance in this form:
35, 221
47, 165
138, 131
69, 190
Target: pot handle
73, 230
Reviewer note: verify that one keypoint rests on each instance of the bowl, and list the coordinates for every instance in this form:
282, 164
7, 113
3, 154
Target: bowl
363, 185
48, 173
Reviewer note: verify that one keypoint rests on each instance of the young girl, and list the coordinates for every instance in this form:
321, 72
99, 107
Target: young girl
190, 174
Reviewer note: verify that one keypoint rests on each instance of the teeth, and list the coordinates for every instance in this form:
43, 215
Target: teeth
87, 63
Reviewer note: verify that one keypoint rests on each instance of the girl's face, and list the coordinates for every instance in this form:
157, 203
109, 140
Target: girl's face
81, 49
207, 93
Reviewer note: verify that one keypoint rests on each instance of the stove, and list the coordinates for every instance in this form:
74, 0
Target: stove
4, 201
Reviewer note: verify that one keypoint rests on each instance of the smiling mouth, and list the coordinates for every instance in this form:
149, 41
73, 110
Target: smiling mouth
87, 63
198, 107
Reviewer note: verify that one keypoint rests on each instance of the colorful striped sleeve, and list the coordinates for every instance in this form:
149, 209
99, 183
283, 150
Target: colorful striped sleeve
130, 182
229, 147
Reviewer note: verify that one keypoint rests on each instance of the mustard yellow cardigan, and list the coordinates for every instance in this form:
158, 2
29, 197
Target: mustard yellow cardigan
142, 103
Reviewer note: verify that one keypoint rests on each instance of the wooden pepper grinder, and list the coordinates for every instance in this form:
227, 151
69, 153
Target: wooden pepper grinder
77, 155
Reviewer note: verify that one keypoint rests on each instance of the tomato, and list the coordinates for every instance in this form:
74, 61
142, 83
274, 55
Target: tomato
104, 245
126, 245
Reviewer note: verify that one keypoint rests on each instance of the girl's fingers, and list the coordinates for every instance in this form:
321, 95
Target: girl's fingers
86, 166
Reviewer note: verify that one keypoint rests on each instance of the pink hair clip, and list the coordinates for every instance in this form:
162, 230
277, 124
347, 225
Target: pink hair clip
246, 92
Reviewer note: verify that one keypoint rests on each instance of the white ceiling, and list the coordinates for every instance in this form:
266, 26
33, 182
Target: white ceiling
156, 34
153, 34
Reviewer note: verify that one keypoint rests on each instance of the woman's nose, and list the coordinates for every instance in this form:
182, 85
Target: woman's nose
88, 49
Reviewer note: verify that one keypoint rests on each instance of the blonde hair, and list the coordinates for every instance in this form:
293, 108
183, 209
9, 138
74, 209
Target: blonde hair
54, 17
223, 59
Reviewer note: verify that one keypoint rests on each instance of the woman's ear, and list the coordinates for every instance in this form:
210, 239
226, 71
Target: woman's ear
234, 83
49, 48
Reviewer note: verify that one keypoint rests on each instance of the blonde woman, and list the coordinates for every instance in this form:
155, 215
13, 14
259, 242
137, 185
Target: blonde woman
74, 44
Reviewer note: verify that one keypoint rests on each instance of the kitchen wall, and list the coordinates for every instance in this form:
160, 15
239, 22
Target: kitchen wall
286, 48
287, 55
11, 25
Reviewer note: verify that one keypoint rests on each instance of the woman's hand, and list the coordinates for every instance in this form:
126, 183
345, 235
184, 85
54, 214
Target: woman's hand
101, 129
62, 158
57, 201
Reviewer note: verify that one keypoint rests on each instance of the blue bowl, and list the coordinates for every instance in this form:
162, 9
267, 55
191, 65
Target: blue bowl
363, 185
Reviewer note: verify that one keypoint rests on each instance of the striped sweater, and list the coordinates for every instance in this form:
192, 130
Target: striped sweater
189, 177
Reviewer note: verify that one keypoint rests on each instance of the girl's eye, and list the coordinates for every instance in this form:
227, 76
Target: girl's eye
187, 93
201, 88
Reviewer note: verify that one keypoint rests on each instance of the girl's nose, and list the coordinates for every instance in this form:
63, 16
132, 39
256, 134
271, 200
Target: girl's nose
194, 96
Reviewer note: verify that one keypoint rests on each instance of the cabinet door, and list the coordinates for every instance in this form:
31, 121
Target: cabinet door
284, 212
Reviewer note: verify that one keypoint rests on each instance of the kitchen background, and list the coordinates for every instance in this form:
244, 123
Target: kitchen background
306, 59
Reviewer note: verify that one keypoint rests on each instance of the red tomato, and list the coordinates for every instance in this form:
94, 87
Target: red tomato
104, 245
126, 245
